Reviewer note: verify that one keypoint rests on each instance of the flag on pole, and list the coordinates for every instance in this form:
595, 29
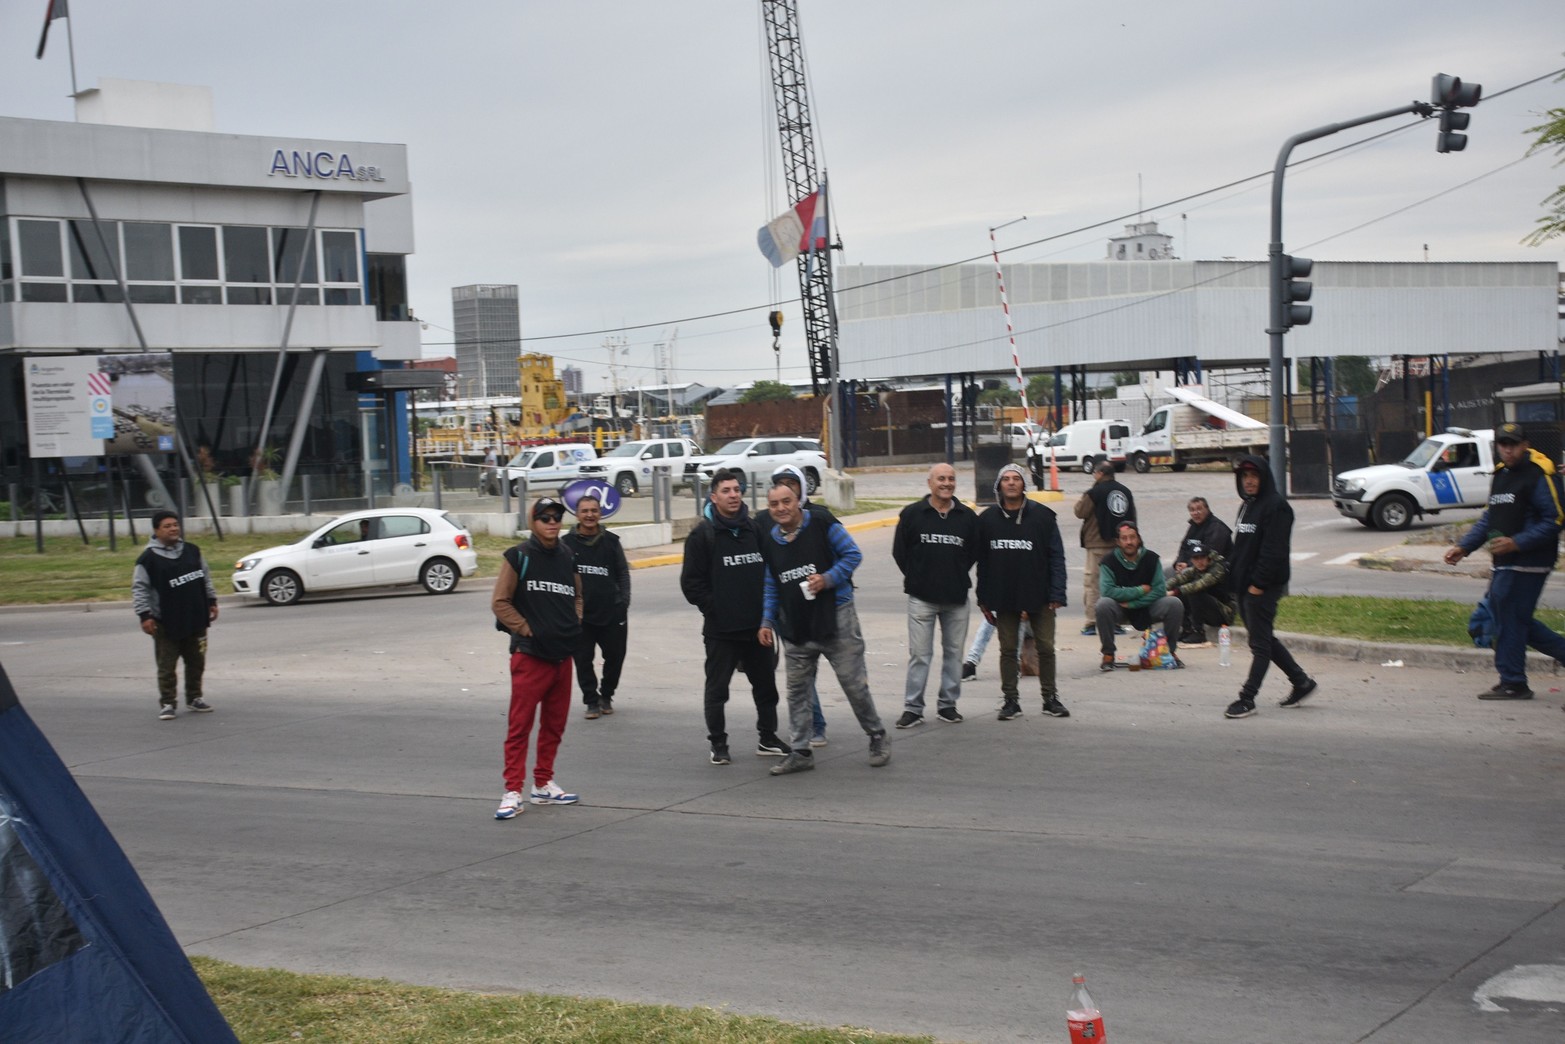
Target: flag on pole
57, 9
789, 234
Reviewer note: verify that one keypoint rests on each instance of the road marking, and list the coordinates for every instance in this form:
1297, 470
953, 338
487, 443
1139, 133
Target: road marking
1542, 983
1351, 556
1300, 556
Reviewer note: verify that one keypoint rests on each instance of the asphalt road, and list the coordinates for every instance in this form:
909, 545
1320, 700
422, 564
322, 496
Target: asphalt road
1371, 866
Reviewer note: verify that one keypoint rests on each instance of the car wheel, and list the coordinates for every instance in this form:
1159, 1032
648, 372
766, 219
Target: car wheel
626, 484
1142, 464
282, 587
1087, 464
812, 481
439, 576
1392, 511
516, 488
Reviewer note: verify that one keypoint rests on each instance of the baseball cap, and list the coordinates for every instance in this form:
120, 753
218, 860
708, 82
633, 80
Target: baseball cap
1247, 465
1198, 550
548, 506
1510, 431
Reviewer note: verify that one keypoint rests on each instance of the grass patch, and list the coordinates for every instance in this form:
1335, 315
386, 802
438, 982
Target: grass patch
1387, 619
864, 507
265, 1004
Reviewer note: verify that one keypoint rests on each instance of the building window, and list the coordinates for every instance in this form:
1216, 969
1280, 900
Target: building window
40, 243
197, 253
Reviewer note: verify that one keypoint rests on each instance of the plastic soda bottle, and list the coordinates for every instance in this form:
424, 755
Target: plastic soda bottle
1082, 1016
1224, 646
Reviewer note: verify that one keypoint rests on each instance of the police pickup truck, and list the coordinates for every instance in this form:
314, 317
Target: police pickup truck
1451, 470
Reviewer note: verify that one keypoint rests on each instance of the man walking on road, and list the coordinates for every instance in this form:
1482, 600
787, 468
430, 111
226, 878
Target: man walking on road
935, 544
1021, 576
171, 591
537, 599
605, 592
809, 603
724, 576
1261, 566
1521, 528
1101, 509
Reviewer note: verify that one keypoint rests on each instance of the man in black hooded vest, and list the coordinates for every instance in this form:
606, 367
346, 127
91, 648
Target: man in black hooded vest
172, 593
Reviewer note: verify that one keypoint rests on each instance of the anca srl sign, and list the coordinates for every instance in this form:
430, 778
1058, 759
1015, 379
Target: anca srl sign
322, 164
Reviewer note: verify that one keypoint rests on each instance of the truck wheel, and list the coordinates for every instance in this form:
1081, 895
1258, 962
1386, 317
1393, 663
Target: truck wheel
1392, 511
1141, 463
1177, 467
626, 484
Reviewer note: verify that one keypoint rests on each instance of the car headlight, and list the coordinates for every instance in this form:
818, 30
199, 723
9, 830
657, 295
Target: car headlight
1354, 484
246, 563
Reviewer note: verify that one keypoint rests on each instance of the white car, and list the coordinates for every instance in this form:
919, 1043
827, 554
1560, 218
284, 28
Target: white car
760, 457
376, 548
629, 466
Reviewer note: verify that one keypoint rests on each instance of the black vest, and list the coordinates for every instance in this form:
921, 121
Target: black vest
801, 619
546, 598
1142, 573
181, 587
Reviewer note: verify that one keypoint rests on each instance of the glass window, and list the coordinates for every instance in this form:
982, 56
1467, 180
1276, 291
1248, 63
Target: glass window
249, 295
43, 292
402, 525
89, 259
339, 257
97, 293
655, 451
7, 293
201, 294
544, 459
143, 293
288, 245
40, 243
245, 257
340, 295
308, 295
351, 532
149, 251
676, 449
197, 252
7, 269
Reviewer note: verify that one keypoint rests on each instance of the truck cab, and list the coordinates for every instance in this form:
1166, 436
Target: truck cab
1451, 470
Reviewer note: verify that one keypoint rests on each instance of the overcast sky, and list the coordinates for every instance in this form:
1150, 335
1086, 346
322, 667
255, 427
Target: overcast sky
615, 159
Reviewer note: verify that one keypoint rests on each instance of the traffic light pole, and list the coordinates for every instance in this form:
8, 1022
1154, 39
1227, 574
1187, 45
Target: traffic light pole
1280, 276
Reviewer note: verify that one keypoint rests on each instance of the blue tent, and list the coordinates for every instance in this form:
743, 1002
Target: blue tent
85, 955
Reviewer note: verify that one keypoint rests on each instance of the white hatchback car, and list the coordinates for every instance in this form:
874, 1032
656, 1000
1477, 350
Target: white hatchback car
376, 548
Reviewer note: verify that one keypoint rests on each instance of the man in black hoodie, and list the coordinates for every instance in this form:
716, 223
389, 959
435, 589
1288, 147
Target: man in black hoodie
605, 593
724, 576
935, 544
1021, 576
1260, 568
537, 600
1102, 508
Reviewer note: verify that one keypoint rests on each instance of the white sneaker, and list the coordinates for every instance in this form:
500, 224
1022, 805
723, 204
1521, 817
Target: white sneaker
510, 805
551, 794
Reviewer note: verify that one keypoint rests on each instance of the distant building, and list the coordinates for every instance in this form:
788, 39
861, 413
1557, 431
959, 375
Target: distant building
488, 338
1142, 242
571, 377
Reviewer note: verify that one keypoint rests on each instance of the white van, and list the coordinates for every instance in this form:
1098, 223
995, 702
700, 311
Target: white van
1084, 443
546, 468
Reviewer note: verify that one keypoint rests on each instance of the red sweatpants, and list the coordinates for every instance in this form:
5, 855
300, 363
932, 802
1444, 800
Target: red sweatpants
539, 688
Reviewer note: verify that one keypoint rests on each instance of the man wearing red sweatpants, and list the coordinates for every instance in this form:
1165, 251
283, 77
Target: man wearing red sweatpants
537, 598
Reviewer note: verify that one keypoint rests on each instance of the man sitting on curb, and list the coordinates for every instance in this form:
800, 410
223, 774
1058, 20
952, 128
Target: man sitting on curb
1203, 588
1131, 579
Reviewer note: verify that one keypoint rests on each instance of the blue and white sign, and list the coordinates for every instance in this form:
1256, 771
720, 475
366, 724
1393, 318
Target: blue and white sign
102, 411
165, 444
607, 495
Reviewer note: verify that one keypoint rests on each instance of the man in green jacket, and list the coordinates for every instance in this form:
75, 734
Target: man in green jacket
1130, 581
1203, 588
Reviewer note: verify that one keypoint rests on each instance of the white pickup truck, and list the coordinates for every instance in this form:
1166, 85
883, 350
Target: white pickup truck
1194, 430
1451, 470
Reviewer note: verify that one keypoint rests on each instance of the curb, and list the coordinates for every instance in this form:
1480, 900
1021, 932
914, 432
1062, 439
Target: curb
678, 557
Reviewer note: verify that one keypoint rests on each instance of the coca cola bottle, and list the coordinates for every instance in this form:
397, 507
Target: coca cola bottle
1082, 1016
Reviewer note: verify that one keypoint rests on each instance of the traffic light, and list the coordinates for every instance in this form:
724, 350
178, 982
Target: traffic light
1296, 288
1449, 93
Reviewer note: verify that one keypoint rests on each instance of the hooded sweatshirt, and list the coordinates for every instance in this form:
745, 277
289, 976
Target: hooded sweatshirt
723, 573
1524, 504
1021, 558
820, 511
1263, 532
173, 585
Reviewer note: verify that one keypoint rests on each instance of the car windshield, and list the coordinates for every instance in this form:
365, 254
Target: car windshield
1422, 454
629, 449
736, 447
522, 459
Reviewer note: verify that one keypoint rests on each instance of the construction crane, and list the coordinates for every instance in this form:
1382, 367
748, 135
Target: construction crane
785, 52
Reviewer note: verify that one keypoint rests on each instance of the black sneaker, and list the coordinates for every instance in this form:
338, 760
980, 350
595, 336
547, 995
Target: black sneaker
199, 705
166, 712
1240, 709
772, 747
949, 714
969, 670
910, 720
879, 749
593, 711
720, 756
1300, 693
1054, 708
1506, 692
606, 706
1107, 666
1010, 709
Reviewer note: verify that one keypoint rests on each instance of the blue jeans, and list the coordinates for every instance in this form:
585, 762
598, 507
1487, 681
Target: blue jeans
845, 653
1513, 597
921, 619
975, 652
